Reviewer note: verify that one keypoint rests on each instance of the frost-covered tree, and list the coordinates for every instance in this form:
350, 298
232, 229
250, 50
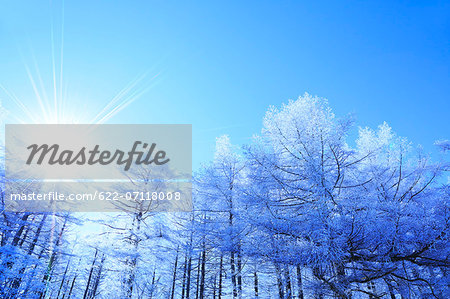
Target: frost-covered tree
354, 218
219, 196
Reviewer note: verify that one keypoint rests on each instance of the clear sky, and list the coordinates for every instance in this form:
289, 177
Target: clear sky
219, 65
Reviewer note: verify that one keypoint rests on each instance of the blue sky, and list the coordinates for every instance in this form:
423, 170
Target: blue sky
219, 65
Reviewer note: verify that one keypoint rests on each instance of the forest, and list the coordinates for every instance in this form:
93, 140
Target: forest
310, 207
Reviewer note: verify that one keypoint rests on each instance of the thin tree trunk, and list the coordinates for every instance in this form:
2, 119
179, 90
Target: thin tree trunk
220, 276
232, 257
299, 282
71, 287
188, 283
239, 272
28, 229
134, 240
86, 290
287, 277
256, 284
63, 279
183, 289
7, 233
279, 281
98, 277
153, 284
233, 274
174, 276
203, 273
197, 288
20, 230
214, 287
36, 235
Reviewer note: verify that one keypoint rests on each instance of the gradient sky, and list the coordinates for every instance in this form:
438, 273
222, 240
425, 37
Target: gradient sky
219, 65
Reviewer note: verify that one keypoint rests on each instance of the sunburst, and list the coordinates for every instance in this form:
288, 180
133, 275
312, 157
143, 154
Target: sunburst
54, 106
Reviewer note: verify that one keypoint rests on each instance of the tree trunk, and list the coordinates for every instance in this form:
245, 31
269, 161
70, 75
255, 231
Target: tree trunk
98, 277
183, 288
20, 230
197, 289
86, 290
299, 282
256, 283
279, 282
203, 273
36, 235
174, 276
134, 240
188, 283
63, 279
214, 287
220, 276
71, 287
28, 229
239, 272
153, 284
233, 275
287, 277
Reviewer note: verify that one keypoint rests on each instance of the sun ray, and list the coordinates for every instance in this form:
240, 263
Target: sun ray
118, 96
124, 104
36, 93
61, 57
41, 82
20, 104
125, 97
52, 43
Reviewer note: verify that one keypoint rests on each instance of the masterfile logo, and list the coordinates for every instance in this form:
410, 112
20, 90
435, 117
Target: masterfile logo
110, 166
68, 157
